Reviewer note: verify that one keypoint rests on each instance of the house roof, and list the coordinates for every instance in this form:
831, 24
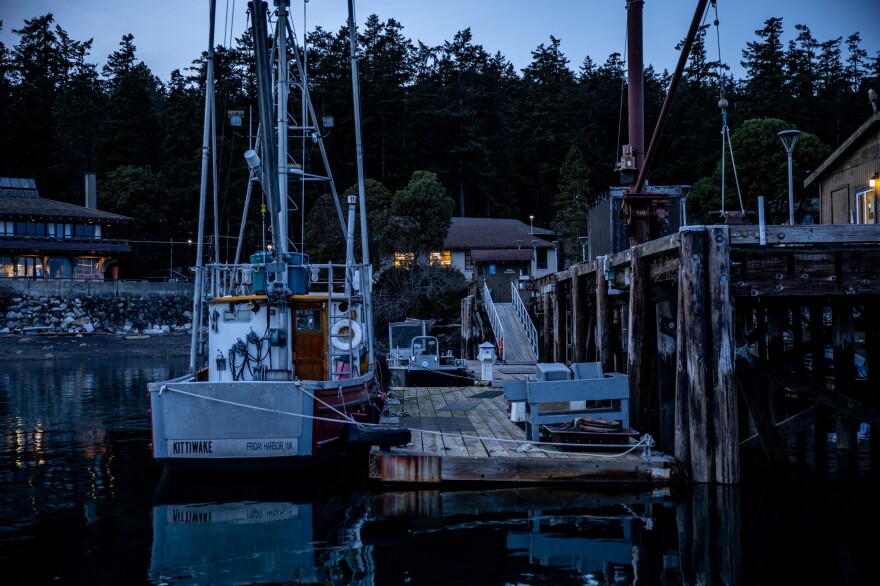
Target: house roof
19, 200
872, 124
495, 234
502, 254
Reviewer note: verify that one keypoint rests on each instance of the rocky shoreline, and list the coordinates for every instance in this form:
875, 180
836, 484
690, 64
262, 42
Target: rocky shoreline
156, 314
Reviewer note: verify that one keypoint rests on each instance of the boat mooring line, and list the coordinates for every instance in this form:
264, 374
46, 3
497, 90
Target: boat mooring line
646, 442
254, 407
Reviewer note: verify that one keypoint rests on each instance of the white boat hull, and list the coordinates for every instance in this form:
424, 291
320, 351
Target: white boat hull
254, 424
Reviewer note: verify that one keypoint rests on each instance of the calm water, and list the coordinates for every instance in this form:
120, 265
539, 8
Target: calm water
83, 503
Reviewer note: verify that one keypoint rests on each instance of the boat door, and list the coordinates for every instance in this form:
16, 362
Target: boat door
309, 342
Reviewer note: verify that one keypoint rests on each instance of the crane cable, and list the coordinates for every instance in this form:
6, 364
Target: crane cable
725, 130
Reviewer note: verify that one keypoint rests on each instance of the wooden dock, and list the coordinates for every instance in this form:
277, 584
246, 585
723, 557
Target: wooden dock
465, 435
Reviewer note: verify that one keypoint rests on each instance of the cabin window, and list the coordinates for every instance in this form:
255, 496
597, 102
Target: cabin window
30, 266
7, 228
58, 268
444, 259
866, 207
86, 269
541, 254
468, 261
7, 267
308, 320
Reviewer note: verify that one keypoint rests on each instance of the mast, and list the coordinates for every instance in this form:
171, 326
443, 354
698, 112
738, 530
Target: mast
269, 166
283, 89
203, 193
365, 249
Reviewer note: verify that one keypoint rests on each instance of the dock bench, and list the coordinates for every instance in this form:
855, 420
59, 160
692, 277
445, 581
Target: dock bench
577, 387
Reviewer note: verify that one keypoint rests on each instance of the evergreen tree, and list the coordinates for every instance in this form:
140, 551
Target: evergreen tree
419, 218
571, 210
131, 133
545, 132
766, 83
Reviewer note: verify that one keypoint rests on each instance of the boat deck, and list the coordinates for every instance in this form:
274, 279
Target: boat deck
465, 434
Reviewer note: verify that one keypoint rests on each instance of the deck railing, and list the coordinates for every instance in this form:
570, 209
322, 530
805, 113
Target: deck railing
524, 318
494, 320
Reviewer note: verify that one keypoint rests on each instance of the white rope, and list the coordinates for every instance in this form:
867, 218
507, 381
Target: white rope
645, 442
255, 408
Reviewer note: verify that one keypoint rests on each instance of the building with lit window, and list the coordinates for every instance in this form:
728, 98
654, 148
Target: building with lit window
46, 239
499, 252
848, 179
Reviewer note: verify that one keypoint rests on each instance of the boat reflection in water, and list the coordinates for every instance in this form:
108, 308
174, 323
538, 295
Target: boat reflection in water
202, 537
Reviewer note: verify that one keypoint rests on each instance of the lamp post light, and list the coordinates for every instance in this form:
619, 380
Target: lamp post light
789, 139
531, 224
583, 240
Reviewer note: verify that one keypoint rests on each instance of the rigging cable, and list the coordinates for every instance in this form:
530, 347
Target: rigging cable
622, 86
725, 130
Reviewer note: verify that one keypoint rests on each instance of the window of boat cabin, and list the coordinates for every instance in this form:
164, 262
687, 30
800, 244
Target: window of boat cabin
541, 254
308, 320
443, 259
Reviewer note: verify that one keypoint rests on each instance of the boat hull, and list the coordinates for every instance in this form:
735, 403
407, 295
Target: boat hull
256, 425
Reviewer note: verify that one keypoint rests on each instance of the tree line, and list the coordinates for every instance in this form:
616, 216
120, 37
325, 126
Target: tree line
453, 126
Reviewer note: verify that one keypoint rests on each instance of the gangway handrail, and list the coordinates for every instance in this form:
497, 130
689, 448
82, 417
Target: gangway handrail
524, 318
494, 320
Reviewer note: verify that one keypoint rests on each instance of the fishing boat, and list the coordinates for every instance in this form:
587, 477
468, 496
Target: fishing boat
282, 370
416, 360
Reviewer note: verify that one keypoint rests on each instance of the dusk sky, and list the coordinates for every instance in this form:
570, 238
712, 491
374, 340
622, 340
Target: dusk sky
169, 34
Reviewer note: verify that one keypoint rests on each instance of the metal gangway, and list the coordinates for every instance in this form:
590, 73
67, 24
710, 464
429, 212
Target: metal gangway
514, 331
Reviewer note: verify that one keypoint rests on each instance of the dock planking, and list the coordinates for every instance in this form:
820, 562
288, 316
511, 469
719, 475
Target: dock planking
457, 437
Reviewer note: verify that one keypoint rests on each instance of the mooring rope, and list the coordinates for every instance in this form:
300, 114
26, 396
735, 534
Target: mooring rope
645, 442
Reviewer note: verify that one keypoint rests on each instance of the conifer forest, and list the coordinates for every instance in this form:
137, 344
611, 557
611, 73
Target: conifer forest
455, 126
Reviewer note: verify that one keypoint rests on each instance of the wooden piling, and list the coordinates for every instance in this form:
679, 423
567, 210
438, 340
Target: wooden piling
638, 360
724, 412
603, 318
578, 315
692, 263
666, 364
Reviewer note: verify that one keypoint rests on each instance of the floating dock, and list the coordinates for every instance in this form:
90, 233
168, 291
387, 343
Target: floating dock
466, 435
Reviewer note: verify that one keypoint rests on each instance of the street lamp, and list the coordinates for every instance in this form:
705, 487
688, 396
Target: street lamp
789, 139
583, 240
531, 224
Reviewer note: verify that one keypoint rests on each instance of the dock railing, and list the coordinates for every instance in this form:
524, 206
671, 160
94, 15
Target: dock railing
524, 318
494, 320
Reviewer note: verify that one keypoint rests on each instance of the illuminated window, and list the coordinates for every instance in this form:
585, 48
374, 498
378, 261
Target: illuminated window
7, 267
86, 269
866, 206
444, 259
404, 259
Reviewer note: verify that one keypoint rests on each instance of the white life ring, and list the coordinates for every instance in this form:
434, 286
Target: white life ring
346, 334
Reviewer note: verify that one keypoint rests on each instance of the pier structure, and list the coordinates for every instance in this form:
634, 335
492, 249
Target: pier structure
733, 337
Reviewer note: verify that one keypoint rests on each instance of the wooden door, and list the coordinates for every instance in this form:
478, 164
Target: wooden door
309, 344
840, 206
